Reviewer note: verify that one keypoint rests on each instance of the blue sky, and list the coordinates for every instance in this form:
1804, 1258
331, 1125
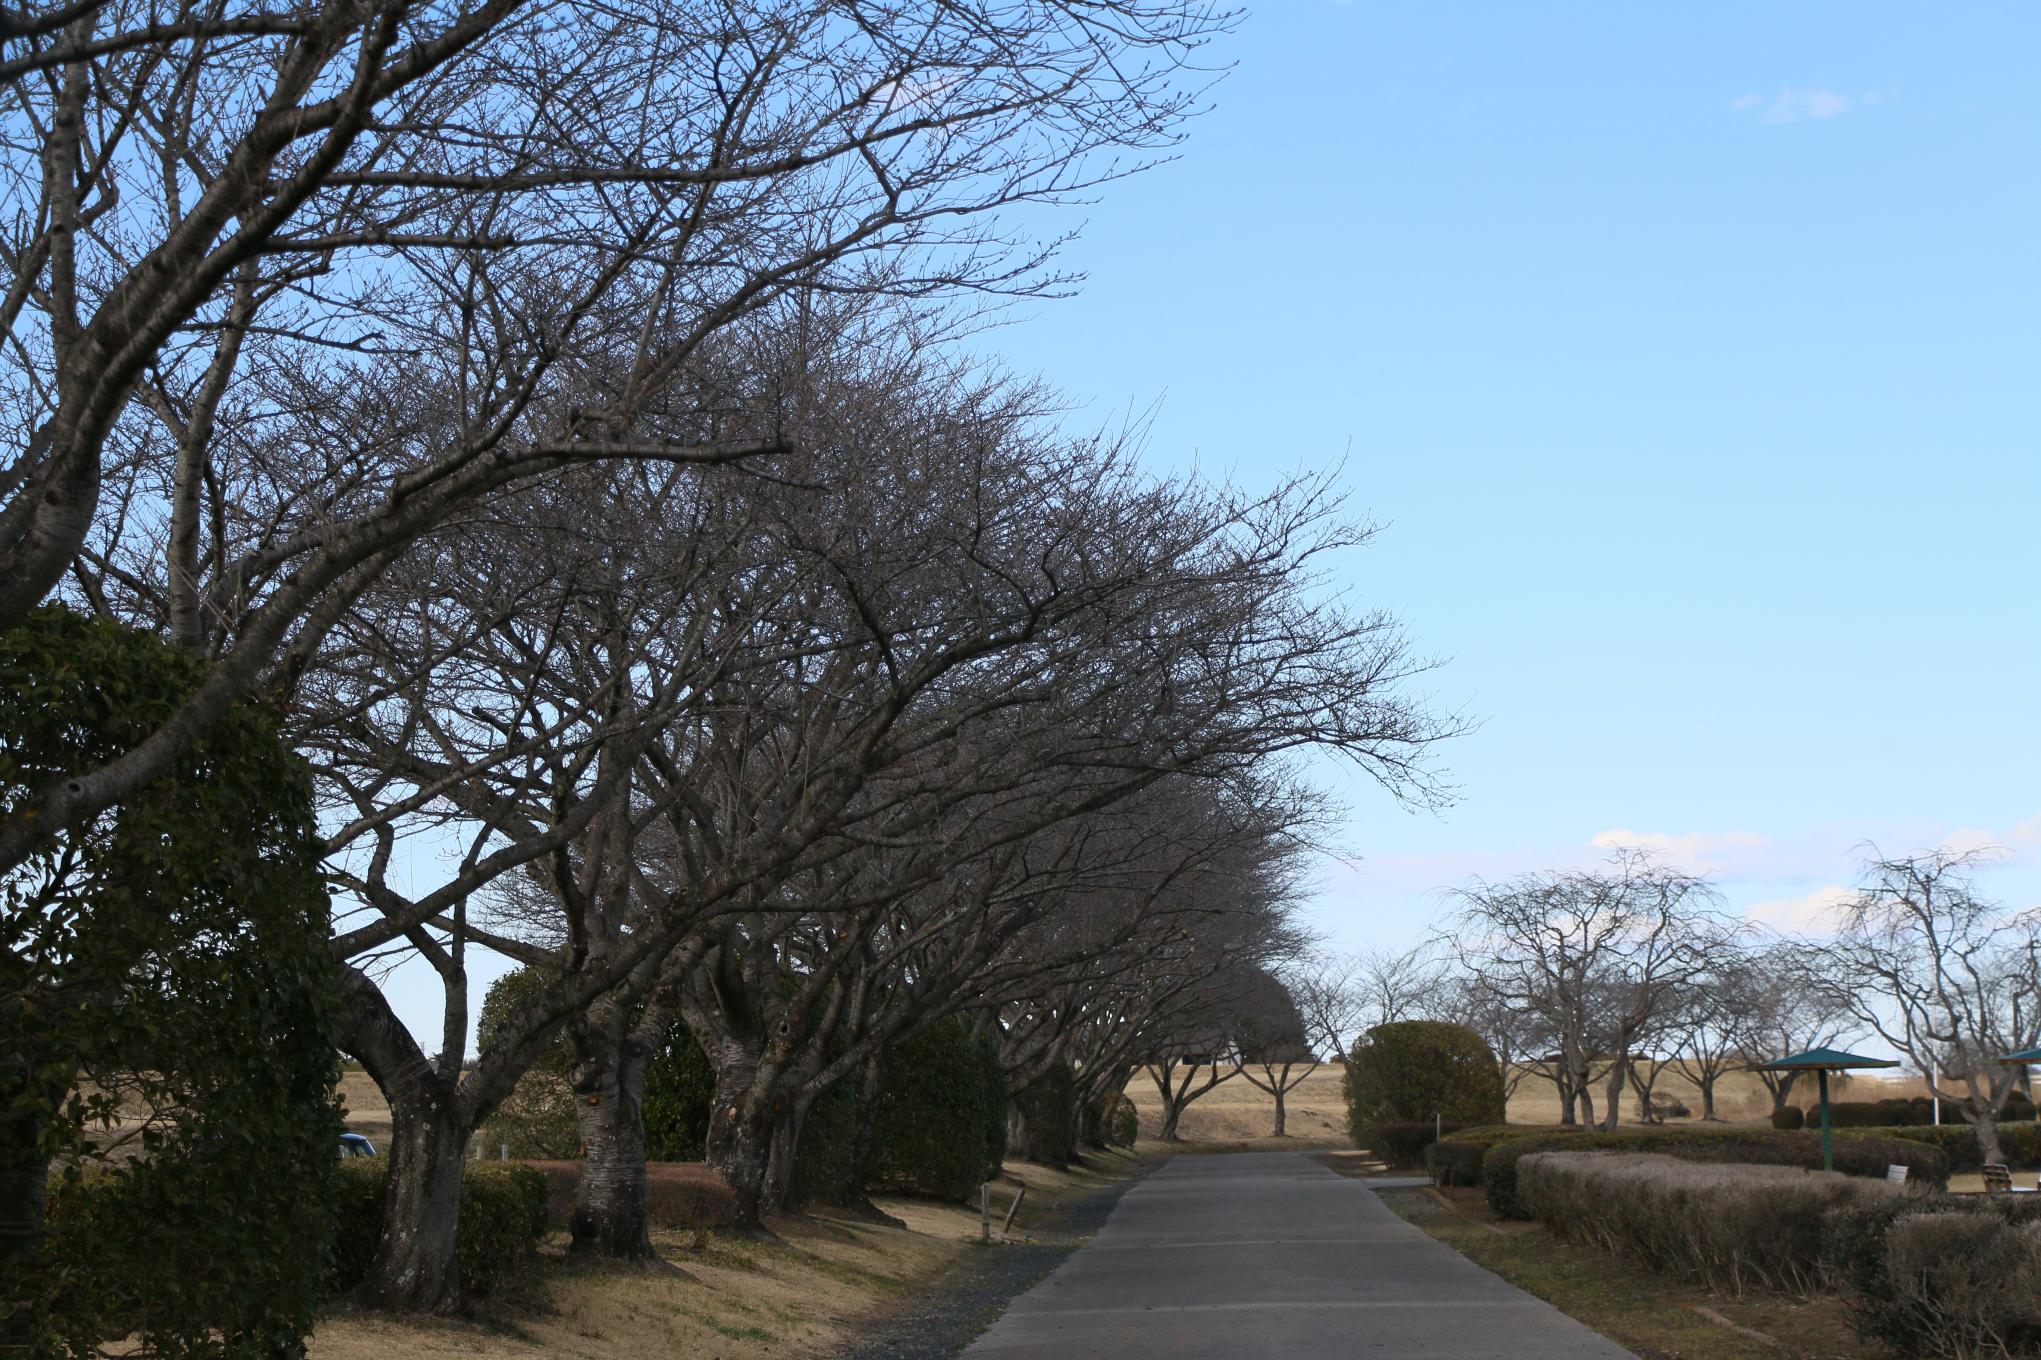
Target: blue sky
1690, 357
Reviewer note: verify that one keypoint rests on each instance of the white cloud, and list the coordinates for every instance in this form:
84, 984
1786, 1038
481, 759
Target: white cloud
1812, 914
1813, 104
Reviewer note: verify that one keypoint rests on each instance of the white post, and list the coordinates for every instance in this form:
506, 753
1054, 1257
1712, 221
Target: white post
1934, 1101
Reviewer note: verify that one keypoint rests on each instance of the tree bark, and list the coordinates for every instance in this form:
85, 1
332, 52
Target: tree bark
612, 1204
1282, 1095
739, 1144
1987, 1137
855, 1194
415, 1267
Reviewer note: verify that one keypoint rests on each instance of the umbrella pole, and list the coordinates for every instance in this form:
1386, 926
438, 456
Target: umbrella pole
1827, 1138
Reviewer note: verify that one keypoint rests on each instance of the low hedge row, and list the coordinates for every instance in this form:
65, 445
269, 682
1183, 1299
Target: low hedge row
1956, 1275
1403, 1145
2021, 1143
677, 1194
1898, 1112
1730, 1228
503, 1215
1856, 1154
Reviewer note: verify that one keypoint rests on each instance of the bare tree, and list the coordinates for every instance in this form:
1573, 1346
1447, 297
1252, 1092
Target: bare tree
1780, 1006
1275, 1056
1947, 978
292, 284
1598, 954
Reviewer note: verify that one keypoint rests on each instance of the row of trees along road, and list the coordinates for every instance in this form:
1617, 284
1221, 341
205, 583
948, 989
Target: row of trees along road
1603, 979
539, 412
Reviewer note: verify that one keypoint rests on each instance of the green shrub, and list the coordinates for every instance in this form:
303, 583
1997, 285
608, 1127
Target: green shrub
1403, 1145
940, 1127
1790, 1118
1048, 1107
169, 957
2021, 1143
1415, 1071
1954, 1275
1730, 1228
536, 1121
680, 1089
1123, 1125
503, 1215
1452, 1162
822, 1162
1856, 1154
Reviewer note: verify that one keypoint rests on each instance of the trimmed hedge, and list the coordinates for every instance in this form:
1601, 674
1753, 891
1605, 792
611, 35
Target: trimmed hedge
1123, 1123
1451, 1162
1415, 1071
1856, 1154
1941, 1274
503, 1215
1403, 1145
677, 1194
1729, 1228
1897, 1113
1048, 1111
2021, 1143
941, 1123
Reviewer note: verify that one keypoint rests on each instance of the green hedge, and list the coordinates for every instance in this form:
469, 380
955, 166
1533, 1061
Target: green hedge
1451, 1162
1856, 1154
1403, 1145
941, 1123
1048, 1108
2021, 1143
503, 1215
1896, 1113
1415, 1071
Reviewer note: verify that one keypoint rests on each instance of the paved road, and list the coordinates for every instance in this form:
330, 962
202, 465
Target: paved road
1271, 1255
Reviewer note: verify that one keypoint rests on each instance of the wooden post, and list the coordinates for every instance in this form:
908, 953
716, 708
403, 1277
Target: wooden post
1011, 1210
985, 1211
1827, 1138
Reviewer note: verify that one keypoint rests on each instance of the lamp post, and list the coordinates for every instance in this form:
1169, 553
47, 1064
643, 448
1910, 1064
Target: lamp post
1823, 1061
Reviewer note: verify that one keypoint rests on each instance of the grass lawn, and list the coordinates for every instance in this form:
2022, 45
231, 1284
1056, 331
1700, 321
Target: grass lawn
1647, 1312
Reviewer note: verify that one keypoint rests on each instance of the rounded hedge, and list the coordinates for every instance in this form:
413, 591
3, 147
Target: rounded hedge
1123, 1123
536, 1121
1416, 1071
169, 955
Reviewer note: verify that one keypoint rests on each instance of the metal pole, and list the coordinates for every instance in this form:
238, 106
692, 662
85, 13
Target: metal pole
1827, 1138
1934, 1101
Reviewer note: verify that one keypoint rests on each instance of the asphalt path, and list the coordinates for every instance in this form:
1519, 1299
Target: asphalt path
1272, 1255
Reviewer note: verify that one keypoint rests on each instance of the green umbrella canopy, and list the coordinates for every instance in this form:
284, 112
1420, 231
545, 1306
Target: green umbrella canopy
2025, 1055
1825, 1059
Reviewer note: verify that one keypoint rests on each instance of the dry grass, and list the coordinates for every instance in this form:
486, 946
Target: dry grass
1738, 1096
729, 1299
1240, 1115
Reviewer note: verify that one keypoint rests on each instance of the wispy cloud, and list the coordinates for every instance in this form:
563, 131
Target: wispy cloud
1810, 105
1813, 914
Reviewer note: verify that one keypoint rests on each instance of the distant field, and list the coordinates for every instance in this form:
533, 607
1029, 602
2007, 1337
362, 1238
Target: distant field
1236, 1110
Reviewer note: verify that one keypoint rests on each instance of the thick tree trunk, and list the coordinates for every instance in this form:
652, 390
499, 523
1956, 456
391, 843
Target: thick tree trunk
1987, 1137
1282, 1117
1171, 1113
612, 1210
1614, 1093
415, 1268
741, 1132
1707, 1085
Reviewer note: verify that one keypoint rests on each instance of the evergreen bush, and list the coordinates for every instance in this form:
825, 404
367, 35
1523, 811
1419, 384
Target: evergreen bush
167, 956
1048, 1108
502, 1217
940, 1127
1414, 1071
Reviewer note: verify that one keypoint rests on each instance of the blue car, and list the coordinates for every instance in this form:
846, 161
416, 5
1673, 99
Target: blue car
354, 1145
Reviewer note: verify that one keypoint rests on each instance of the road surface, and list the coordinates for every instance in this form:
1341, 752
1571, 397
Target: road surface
1246, 1256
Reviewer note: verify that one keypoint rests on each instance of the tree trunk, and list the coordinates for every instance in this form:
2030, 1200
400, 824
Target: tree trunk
782, 1190
612, 1203
1986, 1129
1282, 1116
854, 1194
740, 1133
415, 1268
1707, 1085
1171, 1113
1617, 1076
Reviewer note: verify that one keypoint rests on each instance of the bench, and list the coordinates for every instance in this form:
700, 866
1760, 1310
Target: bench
1998, 1180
